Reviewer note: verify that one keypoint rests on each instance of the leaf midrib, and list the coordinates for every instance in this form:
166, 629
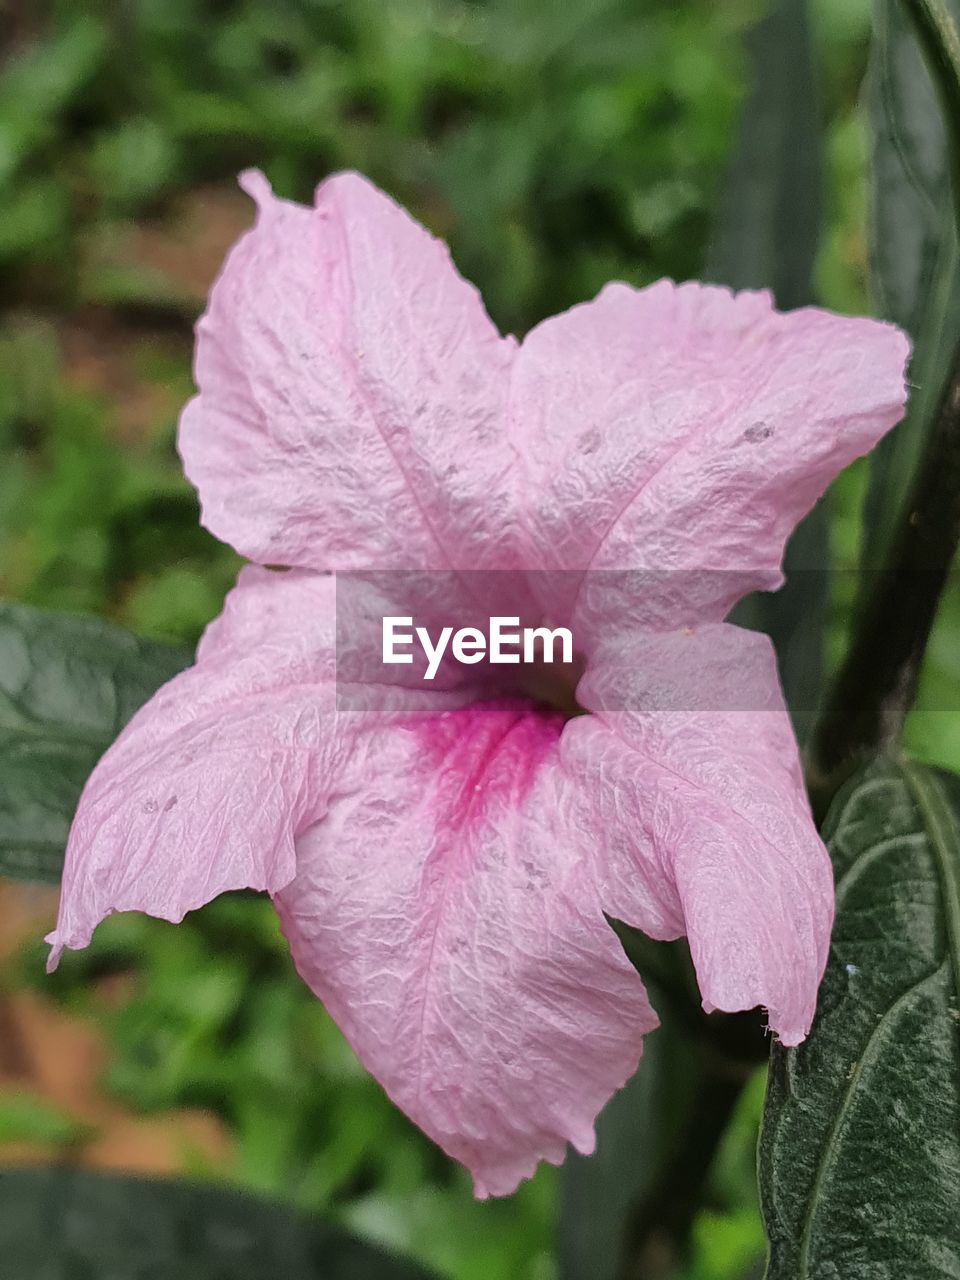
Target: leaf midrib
937, 821
50, 731
31, 725
829, 1150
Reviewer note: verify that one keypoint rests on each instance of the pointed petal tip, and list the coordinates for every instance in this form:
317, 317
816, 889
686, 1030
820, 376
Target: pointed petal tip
786, 1028
584, 1141
499, 1182
790, 1034
56, 949
792, 1040
491, 1182
345, 184
255, 183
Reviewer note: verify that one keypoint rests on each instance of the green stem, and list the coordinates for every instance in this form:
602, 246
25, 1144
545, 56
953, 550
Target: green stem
874, 690
937, 33
658, 1237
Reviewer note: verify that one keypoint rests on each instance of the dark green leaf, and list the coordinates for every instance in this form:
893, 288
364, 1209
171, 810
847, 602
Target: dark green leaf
68, 685
766, 238
768, 226
914, 260
58, 1224
601, 1195
860, 1150
632, 1206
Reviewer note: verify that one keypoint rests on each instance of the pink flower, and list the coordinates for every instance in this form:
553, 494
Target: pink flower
441, 856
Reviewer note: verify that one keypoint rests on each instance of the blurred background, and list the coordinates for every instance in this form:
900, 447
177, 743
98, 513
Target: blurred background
555, 146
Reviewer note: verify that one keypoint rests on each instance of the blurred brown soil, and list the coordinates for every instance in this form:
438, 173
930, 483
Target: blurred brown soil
188, 247
107, 348
122, 352
49, 1053
102, 354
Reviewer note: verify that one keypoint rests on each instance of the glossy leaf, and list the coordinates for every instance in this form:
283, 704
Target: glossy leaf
766, 238
914, 258
60, 1224
68, 685
860, 1149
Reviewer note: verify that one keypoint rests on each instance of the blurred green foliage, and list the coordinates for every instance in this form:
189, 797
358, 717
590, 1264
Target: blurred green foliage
556, 146
215, 1019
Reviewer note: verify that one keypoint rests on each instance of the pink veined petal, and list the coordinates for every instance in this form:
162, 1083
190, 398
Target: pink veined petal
444, 911
678, 429
693, 784
351, 387
420, 851
210, 782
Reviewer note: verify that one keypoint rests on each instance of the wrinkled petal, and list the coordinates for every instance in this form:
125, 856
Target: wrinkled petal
445, 913
683, 429
420, 849
441, 861
209, 784
212, 779
350, 392
693, 784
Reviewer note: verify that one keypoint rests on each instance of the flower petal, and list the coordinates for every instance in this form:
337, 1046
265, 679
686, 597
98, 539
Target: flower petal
691, 745
212, 779
419, 850
680, 429
445, 914
351, 388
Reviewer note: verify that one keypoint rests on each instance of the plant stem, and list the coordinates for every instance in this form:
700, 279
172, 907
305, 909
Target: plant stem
659, 1228
937, 33
876, 684
868, 704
